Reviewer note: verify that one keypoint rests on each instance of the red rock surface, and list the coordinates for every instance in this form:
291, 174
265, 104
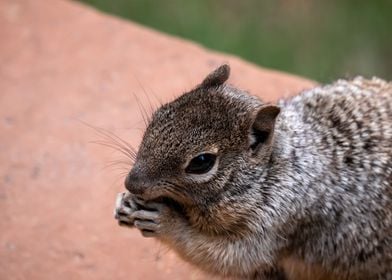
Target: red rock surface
61, 62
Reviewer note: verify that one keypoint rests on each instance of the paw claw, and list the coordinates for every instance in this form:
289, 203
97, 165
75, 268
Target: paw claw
125, 224
119, 199
146, 215
147, 233
146, 225
124, 208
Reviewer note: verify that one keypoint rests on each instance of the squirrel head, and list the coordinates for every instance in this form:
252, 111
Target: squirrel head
199, 150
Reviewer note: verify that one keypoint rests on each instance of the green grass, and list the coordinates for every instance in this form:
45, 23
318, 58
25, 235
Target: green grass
322, 40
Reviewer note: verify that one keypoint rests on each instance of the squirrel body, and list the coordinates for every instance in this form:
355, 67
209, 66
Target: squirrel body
250, 190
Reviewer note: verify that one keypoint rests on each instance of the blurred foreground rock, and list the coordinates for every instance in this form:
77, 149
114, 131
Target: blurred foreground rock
62, 63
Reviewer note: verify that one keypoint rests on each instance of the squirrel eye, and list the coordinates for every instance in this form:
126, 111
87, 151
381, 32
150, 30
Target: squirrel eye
201, 164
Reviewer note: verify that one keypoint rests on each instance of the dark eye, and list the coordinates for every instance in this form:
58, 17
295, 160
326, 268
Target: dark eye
201, 164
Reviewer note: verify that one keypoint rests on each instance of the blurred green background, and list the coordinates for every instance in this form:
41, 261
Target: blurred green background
322, 40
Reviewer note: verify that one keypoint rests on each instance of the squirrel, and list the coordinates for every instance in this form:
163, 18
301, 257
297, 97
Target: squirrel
251, 190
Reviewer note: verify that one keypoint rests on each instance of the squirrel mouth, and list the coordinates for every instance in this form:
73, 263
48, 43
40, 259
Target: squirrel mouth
154, 195
168, 201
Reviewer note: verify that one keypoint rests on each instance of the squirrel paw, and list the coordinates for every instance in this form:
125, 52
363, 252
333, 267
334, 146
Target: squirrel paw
153, 219
125, 206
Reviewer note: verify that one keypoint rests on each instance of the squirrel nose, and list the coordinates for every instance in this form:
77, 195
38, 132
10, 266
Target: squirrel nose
135, 183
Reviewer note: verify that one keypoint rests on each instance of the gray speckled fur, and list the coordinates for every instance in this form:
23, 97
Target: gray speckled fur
338, 147
320, 194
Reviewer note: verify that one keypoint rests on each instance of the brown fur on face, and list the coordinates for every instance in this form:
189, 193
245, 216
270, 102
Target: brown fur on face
189, 126
212, 117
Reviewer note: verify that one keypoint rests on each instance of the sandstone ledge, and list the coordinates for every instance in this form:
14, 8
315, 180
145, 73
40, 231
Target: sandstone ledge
62, 62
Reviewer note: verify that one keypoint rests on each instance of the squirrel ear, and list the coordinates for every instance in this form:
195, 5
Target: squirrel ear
263, 126
216, 77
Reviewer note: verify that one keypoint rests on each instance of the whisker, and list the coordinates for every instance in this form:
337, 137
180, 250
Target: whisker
130, 156
175, 189
142, 110
146, 95
116, 143
118, 140
120, 144
116, 147
118, 179
116, 167
126, 163
122, 172
156, 97
108, 135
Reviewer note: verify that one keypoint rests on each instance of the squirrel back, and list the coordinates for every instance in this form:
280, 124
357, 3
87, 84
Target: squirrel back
341, 148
